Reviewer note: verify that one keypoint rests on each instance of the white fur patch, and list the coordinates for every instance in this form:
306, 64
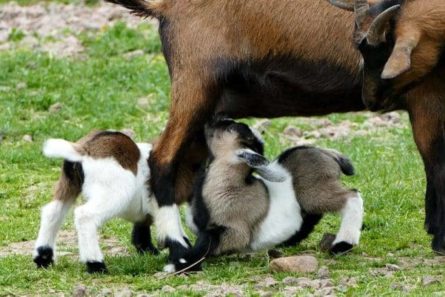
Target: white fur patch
168, 225
189, 219
352, 220
169, 268
284, 215
59, 148
51, 219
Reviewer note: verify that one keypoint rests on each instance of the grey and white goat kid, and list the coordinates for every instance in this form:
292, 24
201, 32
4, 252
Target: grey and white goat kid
111, 172
235, 210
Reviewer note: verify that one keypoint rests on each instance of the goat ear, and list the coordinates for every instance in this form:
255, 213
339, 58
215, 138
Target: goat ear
400, 60
262, 166
252, 158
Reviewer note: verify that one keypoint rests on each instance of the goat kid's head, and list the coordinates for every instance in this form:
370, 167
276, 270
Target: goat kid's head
224, 135
395, 53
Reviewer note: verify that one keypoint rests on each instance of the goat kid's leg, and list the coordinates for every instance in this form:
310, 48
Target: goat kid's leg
351, 225
141, 237
51, 219
191, 108
309, 223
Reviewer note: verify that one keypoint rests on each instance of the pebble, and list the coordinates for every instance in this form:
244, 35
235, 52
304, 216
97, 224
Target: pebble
323, 272
428, 280
392, 267
56, 107
303, 264
126, 292
80, 291
27, 138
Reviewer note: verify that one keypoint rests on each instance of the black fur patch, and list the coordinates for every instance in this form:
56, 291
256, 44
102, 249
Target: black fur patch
45, 257
309, 223
340, 248
346, 166
205, 244
96, 267
141, 239
277, 86
74, 172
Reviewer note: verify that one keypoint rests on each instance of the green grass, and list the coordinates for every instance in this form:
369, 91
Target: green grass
101, 91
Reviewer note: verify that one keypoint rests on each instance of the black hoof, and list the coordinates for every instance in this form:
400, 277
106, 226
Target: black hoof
186, 266
44, 257
147, 250
96, 267
438, 245
340, 248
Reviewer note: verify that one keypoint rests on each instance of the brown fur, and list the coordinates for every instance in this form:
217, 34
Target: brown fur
233, 204
67, 189
316, 179
104, 144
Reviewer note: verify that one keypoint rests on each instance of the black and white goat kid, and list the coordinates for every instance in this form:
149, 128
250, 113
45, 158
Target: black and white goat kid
235, 210
111, 171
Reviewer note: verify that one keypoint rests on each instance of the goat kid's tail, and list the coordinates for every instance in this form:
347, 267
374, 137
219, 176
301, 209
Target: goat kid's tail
345, 164
60, 148
144, 8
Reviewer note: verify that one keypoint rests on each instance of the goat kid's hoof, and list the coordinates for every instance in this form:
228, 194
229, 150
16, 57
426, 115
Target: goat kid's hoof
182, 266
96, 267
438, 245
340, 248
147, 250
45, 257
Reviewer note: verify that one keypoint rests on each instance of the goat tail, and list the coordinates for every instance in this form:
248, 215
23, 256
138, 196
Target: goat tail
60, 148
144, 8
345, 164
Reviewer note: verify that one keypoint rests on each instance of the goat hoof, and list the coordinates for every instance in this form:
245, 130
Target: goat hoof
340, 248
147, 250
326, 242
439, 245
184, 266
44, 257
96, 267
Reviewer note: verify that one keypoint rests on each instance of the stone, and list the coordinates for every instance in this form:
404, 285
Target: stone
429, 280
56, 107
27, 138
126, 292
168, 289
106, 292
392, 267
80, 291
302, 264
134, 54
143, 102
292, 131
323, 272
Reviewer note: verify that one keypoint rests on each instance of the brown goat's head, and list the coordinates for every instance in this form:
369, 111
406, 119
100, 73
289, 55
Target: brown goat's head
401, 42
225, 135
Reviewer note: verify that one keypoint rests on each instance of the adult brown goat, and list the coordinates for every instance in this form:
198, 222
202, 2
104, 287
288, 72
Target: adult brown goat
404, 68
249, 58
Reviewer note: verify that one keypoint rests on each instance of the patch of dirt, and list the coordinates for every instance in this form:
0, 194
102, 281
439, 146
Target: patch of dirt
51, 27
66, 246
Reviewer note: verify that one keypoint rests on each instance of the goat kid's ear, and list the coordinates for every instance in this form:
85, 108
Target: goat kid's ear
252, 158
262, 166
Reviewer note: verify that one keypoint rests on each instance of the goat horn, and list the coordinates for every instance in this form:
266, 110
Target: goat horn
400, 59
376, 32
343, 4
361, 7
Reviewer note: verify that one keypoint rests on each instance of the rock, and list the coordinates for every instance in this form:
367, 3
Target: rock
428, 280
106, 292
267, 282
143, 102
326, 242
126, 292
27, 138
168, 289
349, 281
262, 125
21, 86
265, 294
304, 264
325, 292
392, 267
56, 107
134, 54
291, 291
323, 272
80, 291
292, 131
289, 281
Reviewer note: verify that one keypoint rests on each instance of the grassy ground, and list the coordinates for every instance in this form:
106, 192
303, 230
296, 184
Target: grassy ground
101, 90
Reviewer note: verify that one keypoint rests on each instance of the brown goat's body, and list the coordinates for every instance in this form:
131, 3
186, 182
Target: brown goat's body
272, 58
